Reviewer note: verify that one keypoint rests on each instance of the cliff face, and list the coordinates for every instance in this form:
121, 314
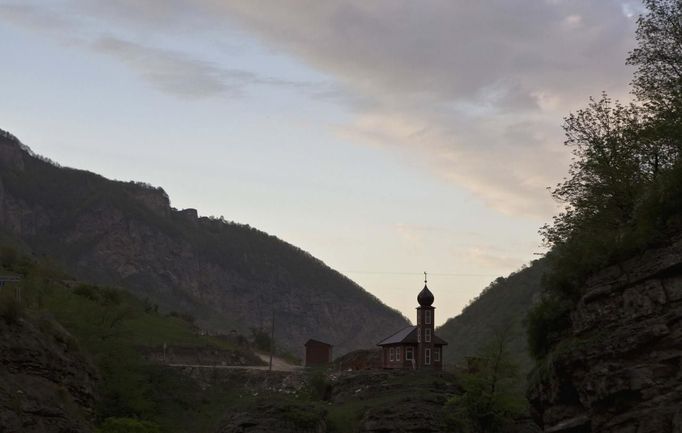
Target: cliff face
622, 369
46, 385
228, 276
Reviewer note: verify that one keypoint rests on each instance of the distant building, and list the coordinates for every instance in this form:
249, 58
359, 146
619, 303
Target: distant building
416, 347
317, 353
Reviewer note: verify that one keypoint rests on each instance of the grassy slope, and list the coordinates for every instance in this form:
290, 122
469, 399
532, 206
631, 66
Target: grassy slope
502, 307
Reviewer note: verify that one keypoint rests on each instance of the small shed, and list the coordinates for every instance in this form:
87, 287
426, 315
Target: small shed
317, 353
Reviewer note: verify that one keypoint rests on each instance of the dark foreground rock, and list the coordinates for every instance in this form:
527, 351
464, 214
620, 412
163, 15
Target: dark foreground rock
400, 401
268, 416
621, 372
46, 385
366, 401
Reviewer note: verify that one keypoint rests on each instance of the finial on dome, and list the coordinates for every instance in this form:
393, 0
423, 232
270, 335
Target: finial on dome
425, 297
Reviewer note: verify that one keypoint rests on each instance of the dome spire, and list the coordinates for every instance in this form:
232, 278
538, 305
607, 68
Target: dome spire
425, 297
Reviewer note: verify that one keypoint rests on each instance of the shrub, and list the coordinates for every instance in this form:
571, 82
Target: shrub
547, 322
318, 385
86, 291
8, 257
261, 339
184, 316
491, 396
11, 310
111, 296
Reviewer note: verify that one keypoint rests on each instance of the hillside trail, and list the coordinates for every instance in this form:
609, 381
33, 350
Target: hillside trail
278, 364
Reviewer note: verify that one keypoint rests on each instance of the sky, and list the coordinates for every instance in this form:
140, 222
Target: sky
385, 137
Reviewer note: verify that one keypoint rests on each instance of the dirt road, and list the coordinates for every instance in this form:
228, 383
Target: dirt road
278, 364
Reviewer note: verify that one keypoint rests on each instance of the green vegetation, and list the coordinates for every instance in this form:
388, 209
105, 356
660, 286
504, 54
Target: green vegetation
546, 323
318, 385
502, 305
492, 395
261, 340
110, 325
624, 189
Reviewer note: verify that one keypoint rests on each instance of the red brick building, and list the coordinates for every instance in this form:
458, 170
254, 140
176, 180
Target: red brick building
416, 347
317, 353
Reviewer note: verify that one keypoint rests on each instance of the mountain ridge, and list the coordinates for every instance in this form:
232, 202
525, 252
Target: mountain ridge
229, 276
500, 308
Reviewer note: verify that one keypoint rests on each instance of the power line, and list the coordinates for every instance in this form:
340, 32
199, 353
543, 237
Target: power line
440, 274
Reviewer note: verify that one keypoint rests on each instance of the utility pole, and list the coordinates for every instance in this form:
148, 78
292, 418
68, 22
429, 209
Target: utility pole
272, 338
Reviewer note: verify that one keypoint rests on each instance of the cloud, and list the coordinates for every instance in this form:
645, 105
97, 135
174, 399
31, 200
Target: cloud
476, 90
473, 90
32, 17
170, 71
174, 72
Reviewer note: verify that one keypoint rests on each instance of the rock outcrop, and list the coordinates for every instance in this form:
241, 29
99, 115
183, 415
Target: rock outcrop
621, 371
46, 384
228, 276
367, 401
268, 416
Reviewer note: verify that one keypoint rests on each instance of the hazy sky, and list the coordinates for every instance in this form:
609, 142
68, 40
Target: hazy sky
385, 137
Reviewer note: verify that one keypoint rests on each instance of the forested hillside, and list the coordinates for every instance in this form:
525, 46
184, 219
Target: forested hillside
500, 309
226, 275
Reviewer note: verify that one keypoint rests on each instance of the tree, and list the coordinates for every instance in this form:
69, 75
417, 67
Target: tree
658, 56
609, 171
492, 394
605, 173
261, 339
657, 80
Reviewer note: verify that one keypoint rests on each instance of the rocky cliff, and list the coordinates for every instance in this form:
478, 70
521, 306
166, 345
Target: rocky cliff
228, 276
46, 384
621, 369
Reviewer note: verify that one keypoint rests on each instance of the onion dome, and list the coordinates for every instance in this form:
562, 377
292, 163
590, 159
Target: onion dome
425, 297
